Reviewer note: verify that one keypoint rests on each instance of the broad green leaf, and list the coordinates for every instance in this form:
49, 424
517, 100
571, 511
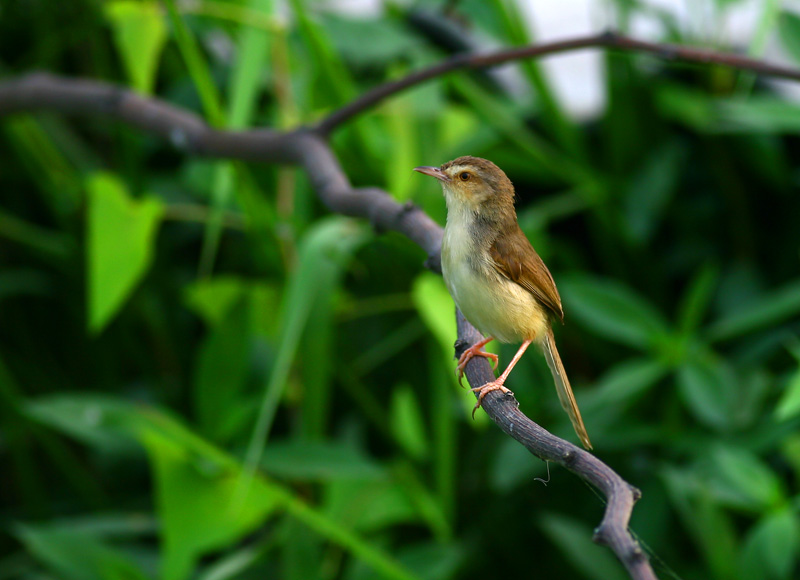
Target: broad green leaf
612, 311
789, 33
762, 114
789, 403
623, 384
695, 302
778, 306
121, 235
318, 461
408, 426
250, 66
221, 374
651, 188
770, 547
436, 308
77, 555
195, 498
213, 298
689, 106
404, 151
428, 560
234, 565
709, 525
140, 32
740, 479
709, 387
388, 40
574, 539
103, 422
195, 479
369, 505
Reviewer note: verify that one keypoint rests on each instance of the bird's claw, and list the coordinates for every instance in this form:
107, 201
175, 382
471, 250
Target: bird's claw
468, 355
486, 389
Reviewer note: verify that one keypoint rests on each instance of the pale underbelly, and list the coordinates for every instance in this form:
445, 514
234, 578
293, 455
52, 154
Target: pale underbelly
509, 313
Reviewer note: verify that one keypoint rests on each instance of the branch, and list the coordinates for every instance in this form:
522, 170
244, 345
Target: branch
190, 134
620, 495
308, 149
491, 59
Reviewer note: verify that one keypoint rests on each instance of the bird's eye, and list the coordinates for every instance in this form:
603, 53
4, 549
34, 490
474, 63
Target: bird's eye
464, 176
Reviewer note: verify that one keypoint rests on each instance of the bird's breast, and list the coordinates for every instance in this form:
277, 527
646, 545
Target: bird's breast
494, 305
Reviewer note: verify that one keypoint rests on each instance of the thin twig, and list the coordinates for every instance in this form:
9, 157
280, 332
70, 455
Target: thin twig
603, 40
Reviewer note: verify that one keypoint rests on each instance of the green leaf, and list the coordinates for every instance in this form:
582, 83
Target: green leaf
741, 480
689, 106
436, 308
694, 304
77, 555
140, 33
95, 420
250, 67
428, 560
762, 114
789, 33
318, 461
574, 539
214, 298
120, 239
408, 426
388, 40
200, 505
774, 308
708, 387
651, 189
221, 374
623, 384
612, 311
369, 505
196, 480
709, 525
197, 66
325, 251
789, 403
770, 547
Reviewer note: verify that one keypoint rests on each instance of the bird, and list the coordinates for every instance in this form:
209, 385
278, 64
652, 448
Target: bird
496, 278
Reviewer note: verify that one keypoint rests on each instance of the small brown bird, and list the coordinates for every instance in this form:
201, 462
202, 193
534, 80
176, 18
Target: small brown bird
494, 275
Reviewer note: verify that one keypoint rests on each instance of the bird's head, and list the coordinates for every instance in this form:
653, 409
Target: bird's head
473, 182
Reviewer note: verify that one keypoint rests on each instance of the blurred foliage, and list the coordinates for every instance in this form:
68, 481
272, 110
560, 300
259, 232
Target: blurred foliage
203, 375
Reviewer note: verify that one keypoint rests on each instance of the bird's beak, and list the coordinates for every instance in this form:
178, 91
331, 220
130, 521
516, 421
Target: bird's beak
433, 172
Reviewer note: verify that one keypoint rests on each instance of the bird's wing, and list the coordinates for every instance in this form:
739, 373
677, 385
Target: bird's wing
526, 268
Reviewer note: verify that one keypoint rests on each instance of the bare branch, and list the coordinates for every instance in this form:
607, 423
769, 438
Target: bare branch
604, 40
620, 495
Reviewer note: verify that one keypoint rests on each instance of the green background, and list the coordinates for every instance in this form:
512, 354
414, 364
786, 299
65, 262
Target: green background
206, 375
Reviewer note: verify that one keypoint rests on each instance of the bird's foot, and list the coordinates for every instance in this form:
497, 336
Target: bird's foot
467, 355
488, 388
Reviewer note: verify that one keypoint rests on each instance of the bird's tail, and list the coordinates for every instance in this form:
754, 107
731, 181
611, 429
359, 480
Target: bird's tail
563, 389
